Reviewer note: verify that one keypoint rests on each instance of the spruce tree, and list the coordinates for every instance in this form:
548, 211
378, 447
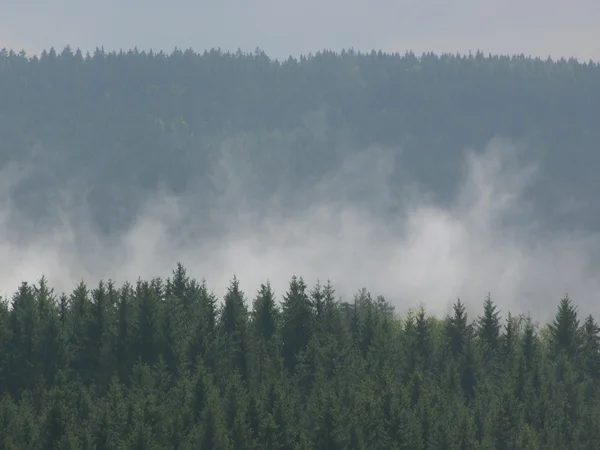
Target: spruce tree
233, 327
264, 313
488, 328
297, 322
565, 329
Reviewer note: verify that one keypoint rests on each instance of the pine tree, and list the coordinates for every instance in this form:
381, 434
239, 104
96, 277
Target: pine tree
173, 335
178, 286
100, 337
297, 326
529, 344
233, 326
5, 342
509, 340
201, 346
565, 329
457, 329
488, 329
424, 343
126, 333
215, 436
591, 348
331, 321
264, 313
80, 309
316, 296
468, 371
51, 346
24, 329
148, 321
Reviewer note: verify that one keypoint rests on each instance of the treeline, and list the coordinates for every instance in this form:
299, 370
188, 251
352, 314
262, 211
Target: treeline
117, 125
162, 364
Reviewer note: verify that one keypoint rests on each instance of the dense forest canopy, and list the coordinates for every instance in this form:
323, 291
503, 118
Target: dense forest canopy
115, 126
161, 364
237, 141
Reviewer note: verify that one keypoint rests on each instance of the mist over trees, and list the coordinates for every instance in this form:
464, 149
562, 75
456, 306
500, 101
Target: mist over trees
162, 364
115, 126
87, 139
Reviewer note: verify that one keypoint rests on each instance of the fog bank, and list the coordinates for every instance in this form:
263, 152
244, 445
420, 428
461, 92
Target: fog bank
351, 227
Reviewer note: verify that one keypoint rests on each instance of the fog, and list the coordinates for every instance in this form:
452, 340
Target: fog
352, 227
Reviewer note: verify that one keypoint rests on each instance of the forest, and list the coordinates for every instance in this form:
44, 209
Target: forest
164, 364
114, 126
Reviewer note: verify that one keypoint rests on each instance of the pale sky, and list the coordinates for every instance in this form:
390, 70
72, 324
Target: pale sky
283, 27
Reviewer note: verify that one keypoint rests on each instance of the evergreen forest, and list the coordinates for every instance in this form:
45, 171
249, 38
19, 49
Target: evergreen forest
162, 364
115, 126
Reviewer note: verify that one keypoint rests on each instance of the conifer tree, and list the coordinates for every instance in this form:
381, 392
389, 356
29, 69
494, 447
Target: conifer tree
51, 346
509, 341
565, 329
297, 322
101, 335
590, 350
24, 329
148, 331
488, 328
80, 309
125, 350
233, 326
457, 329
264, 313
173, 345
201, 346
5, 341
424, 343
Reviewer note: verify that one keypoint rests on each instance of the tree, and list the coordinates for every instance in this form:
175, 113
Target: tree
264, 313
565, 329
509, 340
204, 329
148, 332
51, 352
80, 310
173, 335
297, 322
5, 341
457, 329
101, 332
590, 350
24, 329
488, 329
126, 333
233, 326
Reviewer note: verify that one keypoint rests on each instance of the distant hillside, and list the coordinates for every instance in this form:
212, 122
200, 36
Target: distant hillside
113, 127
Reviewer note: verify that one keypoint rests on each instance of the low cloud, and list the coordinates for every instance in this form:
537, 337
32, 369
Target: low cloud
352, 227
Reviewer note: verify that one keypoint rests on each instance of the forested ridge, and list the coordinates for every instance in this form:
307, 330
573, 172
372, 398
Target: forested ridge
164, 364
115, 126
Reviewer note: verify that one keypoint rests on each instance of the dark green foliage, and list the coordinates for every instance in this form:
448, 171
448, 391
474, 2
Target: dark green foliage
565, 328
24, 328
488, 329
590, 352
127, 122
297, 322
265, 313
457, 329
234, 329
128, 368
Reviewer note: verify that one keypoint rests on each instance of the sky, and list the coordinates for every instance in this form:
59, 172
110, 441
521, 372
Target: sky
282, 27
